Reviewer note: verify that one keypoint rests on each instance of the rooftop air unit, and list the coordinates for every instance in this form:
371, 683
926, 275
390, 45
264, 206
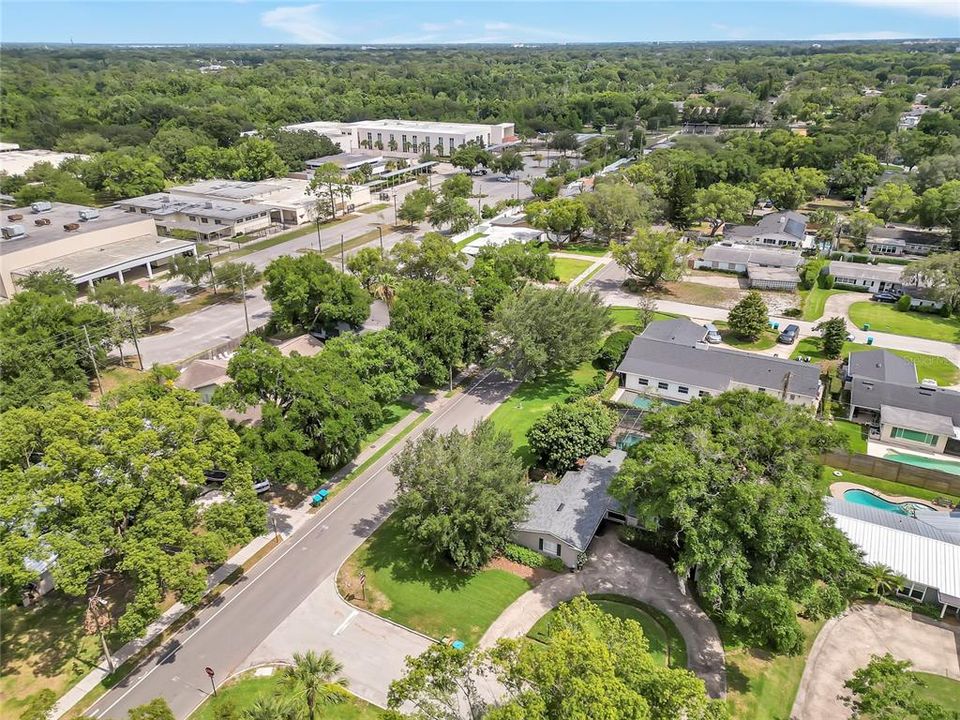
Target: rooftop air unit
12, 232
40, 222
89, 214
41, 207
13, 217
208, 204
70, 227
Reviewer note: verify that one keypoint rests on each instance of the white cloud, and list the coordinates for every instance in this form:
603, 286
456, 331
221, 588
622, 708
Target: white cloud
865, 35
303, 23
946, 8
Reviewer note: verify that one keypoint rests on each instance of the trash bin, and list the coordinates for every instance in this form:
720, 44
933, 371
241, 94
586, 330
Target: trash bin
866, 326
869, 339
775, 325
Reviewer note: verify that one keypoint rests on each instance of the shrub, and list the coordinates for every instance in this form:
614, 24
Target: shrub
570, 431
792, 312
903, 303
768, 615
826, 281
596, 384
531, 558
944, 310
613, 349
823, 601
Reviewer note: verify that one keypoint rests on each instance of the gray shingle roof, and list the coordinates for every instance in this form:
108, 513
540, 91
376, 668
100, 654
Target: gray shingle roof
679, 330
916, 420
873, 395
914, 236
726, 252
866, 271
882, 365
896, 521
674, 358
572, 509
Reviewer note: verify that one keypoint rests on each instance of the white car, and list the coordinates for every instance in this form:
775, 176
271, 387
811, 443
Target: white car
261, 486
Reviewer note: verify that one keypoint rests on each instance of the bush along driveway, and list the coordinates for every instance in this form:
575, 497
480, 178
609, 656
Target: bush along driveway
614, 568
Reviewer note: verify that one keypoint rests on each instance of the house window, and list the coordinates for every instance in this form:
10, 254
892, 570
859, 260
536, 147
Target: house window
683, 390
704, 393
192, 218
912, 591
550, 548
643, 381
451, 144
426, 141
662, 386
415, 143
204, 221
370, 138
380, 138
406, 145
915, 436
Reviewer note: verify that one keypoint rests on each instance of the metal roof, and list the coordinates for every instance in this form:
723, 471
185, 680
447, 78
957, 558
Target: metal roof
571, 510
896, 521
760, 272
920, 559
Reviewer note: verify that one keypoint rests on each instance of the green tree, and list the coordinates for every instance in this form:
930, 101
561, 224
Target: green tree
50, 282
150, 305
730, 483
770, 619
327, 185
883, 580
234, 276
121, 175
652, 256
886, 689
852, 176
189, 267
383, 361
565, 141
858, 224
722, 203
156, 709
459, 495
314, 679
470, 156
444, 327
941, 206
681, 197
546, 188
307, 292
782, 187
893, 201
940, 273
265, 707
415, 206
543, 330
509, 162
569, 432
257, 159
369, 263
454, 212
748, 318
615, 210
435, 257
833, 334
456, 186
562, 219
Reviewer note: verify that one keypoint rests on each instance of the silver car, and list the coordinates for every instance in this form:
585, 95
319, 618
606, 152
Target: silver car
713, 335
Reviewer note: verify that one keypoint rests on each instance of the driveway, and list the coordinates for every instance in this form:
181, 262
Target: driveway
847, 642
615, 568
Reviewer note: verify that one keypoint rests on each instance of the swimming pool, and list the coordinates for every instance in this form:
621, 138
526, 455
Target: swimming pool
947, 466
865, 497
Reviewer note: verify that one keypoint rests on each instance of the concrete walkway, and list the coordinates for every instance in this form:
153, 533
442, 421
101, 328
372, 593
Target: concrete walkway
615, 568
846, 643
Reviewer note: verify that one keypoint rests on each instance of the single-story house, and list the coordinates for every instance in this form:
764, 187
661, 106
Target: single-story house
886, 392
563, 518
737, 258
928, 557
671, 360
868, 276
904, 240
779, 229
44, 582
771, 278
203, 377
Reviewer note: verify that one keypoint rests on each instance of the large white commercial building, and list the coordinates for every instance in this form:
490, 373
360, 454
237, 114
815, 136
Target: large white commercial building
14, 161
89, 244
409, 136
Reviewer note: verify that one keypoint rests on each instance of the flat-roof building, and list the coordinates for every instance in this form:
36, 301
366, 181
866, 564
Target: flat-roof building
208, 219
16, 161
89, 244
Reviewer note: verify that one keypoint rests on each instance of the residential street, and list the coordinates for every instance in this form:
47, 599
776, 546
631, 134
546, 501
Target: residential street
223, 635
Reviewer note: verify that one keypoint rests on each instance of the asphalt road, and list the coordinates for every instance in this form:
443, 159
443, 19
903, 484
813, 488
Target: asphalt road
224, 634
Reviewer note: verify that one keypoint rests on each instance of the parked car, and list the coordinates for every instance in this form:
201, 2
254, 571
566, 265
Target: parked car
789, 334
713, 335
885, 297
214, 476
505, 178
261, 486
478, 171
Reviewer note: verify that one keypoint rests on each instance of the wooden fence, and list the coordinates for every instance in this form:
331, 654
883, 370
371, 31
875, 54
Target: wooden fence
927, 478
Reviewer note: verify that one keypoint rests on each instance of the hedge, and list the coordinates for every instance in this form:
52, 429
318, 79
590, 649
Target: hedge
531, 558
614, 348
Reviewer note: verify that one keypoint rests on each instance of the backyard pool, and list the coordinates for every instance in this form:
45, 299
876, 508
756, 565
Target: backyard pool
865, 497
946, 466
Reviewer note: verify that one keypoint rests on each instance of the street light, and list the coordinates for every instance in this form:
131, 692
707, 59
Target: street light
243, 294
319, 241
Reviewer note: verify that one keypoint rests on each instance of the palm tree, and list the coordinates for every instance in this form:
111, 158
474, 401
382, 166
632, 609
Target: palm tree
315, 679
270, 707
384, 287
885, 581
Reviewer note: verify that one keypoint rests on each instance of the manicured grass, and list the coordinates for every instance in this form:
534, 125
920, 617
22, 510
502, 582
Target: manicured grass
433, 599
887, 487
370, 209
118, 377
629, 317
928, 366
939, 689
531, 400
856, 434
763, 686
814, 302
666, 643
566, 269
597, 268
766, 341
469, 239
699, 294
591, 249
884, 318
392, 414
250, 247
243, 691
43, 647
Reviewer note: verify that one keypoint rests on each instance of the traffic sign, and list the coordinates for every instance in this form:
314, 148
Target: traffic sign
209, 671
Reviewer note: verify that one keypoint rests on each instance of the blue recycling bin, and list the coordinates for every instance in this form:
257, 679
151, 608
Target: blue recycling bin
866, 326
774, 325
869, 339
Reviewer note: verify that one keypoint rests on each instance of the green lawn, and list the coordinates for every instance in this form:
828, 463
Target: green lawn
566, 269
629, 317
930, 367
369, 209
531, 400
666, 643
856, 434
392, 414
242, 692
766, 341
884, 318
814, 301
887, 487
939, 689
469, 239
591, 249
760, 685
437, 601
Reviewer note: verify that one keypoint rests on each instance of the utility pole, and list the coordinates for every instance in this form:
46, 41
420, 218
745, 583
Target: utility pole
479, 212
93, 359
395, 221
319, 241
213, 277
518, 187
243, 294
380, 229
341, 253
133, 332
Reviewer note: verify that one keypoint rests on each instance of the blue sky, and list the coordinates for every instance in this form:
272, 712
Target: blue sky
402, 21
